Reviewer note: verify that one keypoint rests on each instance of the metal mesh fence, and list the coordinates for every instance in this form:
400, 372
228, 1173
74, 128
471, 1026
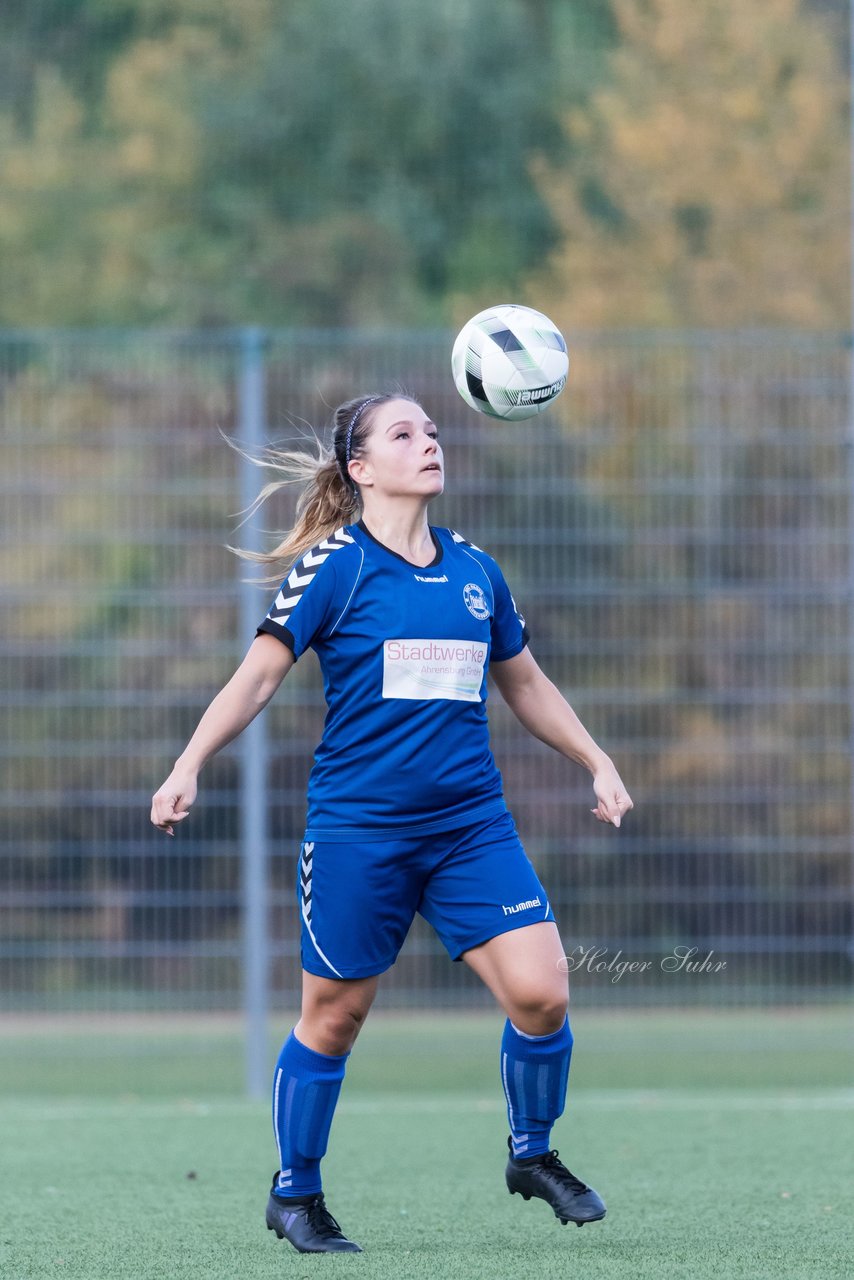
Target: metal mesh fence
677, 532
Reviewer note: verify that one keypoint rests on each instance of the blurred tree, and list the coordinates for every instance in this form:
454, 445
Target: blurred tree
393, 125
96, 225
191, 162
81, 38
708, 181
75, 37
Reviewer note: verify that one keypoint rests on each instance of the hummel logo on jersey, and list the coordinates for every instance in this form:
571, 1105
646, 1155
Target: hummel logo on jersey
522, 906
419, 578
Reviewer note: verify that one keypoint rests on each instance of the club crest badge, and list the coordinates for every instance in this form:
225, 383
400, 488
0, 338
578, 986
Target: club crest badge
475, 601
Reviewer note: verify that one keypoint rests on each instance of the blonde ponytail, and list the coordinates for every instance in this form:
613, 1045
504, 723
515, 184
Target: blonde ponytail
329, 498
326, 503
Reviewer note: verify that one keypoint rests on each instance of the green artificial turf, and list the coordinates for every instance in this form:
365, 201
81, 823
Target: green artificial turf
721, 1143
202, 1056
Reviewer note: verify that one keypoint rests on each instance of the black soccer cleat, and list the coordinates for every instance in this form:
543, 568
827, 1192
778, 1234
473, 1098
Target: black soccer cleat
308, 1225
547, 1177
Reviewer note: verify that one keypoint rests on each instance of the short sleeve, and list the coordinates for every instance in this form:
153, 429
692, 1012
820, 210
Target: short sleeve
509, 630
304, 605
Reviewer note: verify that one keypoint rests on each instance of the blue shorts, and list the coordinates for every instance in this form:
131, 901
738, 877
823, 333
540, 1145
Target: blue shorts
358, 899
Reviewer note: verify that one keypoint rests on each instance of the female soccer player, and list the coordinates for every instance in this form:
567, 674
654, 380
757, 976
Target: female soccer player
405, 804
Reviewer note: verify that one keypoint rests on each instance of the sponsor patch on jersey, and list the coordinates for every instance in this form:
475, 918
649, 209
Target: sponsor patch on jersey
475, 601
427, 669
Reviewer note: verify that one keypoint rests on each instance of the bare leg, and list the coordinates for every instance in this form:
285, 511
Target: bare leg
333, 1011
309, 1075
526, 971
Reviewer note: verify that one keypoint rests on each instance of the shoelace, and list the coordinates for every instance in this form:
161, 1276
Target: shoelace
322, 1221
556, 1166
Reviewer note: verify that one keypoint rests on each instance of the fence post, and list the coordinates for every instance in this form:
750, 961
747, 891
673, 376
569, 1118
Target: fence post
850, 444
254, 825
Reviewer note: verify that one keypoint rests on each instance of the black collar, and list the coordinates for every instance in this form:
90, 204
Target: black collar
437, 559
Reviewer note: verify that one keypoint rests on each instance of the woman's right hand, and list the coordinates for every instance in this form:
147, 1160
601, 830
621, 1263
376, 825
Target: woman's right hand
248, 691
172, 802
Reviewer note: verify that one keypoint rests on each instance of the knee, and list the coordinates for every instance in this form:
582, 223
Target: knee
539, 1011
334, 1025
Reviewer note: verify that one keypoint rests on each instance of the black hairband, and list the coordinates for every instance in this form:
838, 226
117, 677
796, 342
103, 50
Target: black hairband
355, 418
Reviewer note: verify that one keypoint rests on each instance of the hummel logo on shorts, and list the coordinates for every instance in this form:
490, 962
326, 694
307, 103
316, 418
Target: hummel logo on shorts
522, 906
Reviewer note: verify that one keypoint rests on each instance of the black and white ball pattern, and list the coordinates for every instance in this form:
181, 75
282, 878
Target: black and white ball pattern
509, 362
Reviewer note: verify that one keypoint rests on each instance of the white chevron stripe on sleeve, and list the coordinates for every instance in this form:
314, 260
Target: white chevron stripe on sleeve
302, 575
312, 558
458, 537
286, 602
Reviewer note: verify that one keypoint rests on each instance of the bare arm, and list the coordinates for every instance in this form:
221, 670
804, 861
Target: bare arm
542, 709
253, 684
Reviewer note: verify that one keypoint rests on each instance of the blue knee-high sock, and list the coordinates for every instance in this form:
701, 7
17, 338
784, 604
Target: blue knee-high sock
306, 1086
534, 1072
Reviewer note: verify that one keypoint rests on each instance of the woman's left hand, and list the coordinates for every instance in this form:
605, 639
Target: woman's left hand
614, 799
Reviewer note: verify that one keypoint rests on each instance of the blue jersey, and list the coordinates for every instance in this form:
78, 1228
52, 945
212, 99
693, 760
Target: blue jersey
404, 652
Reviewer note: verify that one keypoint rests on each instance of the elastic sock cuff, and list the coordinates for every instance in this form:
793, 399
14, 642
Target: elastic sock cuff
311, 1060
541, 1040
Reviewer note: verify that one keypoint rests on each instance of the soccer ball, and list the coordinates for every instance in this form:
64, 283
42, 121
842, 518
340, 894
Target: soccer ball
509, 362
